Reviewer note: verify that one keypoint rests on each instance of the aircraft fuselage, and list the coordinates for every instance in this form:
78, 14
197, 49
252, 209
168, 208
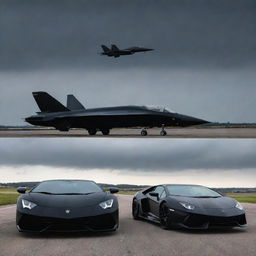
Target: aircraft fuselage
112, 117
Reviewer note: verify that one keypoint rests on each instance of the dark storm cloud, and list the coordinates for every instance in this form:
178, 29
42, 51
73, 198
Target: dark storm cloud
45, 34
131, 155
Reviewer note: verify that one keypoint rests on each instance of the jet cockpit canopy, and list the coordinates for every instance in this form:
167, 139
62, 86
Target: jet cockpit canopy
159, 109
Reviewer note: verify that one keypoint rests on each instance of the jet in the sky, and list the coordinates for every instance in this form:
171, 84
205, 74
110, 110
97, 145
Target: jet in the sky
54, 114
116, 52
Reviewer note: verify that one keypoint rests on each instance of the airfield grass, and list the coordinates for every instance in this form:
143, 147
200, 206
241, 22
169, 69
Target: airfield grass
127, 192
7, 189
243, 197
6, 198
8, 195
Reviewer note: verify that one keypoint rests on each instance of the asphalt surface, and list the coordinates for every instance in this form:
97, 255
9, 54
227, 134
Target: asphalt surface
132, 238
135, 133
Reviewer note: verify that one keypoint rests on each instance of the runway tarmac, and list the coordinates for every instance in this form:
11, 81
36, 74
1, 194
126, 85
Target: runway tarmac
135, 133
136, 238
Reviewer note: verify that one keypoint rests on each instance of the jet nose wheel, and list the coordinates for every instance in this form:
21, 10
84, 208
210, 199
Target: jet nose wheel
144, 132
163, 133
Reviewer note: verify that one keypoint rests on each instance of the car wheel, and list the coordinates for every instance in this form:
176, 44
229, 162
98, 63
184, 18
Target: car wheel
135, 209
164, 215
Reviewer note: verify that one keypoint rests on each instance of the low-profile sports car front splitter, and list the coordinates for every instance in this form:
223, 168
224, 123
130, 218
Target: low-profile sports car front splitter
99, 223
200, 221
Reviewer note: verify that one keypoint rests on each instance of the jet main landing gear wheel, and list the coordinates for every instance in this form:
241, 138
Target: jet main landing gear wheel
105, 131
92, 131
163, 131
144, 132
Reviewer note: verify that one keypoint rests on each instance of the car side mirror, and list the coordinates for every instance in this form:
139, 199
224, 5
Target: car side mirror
113, 190
21, 190
154, 194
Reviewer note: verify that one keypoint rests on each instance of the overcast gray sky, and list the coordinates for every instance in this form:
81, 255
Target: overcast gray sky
211, 162
203, 64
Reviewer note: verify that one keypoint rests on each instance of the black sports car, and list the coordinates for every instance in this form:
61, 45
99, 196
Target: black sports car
67, 205
188, 206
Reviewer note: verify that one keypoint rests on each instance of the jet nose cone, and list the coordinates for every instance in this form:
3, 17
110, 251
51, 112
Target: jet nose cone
198, 121
28, 119
32, 119
149, 49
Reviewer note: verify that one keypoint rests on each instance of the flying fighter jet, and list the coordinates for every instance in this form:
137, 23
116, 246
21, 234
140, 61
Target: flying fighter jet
54, 114
116, 52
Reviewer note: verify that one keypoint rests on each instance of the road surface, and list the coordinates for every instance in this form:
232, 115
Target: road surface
135, 133
136, 238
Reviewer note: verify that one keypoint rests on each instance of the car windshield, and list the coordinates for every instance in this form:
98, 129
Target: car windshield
191, 191
159, 109
67, 187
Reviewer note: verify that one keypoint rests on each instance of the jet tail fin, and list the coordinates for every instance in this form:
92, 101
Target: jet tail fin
105, 48
73, 103
114, 47
47, 103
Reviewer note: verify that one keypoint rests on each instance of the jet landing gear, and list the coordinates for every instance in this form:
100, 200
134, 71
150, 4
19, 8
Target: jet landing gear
144, 132
105, 131
92, 131
163, 131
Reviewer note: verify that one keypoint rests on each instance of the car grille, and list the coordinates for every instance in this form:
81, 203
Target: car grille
197, 220
96, 223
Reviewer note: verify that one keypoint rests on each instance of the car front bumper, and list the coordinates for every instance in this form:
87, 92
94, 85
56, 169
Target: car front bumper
98, 223
200, 221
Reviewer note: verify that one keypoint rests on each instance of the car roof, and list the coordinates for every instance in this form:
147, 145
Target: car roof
67, 180
180, 185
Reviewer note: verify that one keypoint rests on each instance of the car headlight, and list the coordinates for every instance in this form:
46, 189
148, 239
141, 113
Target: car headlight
188, 206
239, 206
107, 204
27, 204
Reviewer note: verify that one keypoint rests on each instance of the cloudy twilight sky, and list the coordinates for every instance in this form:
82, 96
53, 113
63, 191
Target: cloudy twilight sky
210, 162
203, 64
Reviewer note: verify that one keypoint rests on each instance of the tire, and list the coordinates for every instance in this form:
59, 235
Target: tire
135, 210
92, 131
144, 133
105, 131
163, 133
164, 216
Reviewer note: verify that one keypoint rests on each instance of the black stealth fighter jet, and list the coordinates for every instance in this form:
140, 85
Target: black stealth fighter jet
116, 52
54, 114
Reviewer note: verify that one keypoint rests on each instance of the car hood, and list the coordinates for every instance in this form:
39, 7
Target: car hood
208, 203
57, 201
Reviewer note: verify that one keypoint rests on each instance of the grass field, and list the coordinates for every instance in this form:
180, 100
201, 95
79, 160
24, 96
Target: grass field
243, 197
9, 196
7, 189
6, 198
127, 192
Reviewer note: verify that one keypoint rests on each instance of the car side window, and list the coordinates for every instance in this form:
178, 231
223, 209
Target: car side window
159, 190
163, 195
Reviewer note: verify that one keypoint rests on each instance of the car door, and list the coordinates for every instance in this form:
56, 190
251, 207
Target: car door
154, 201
